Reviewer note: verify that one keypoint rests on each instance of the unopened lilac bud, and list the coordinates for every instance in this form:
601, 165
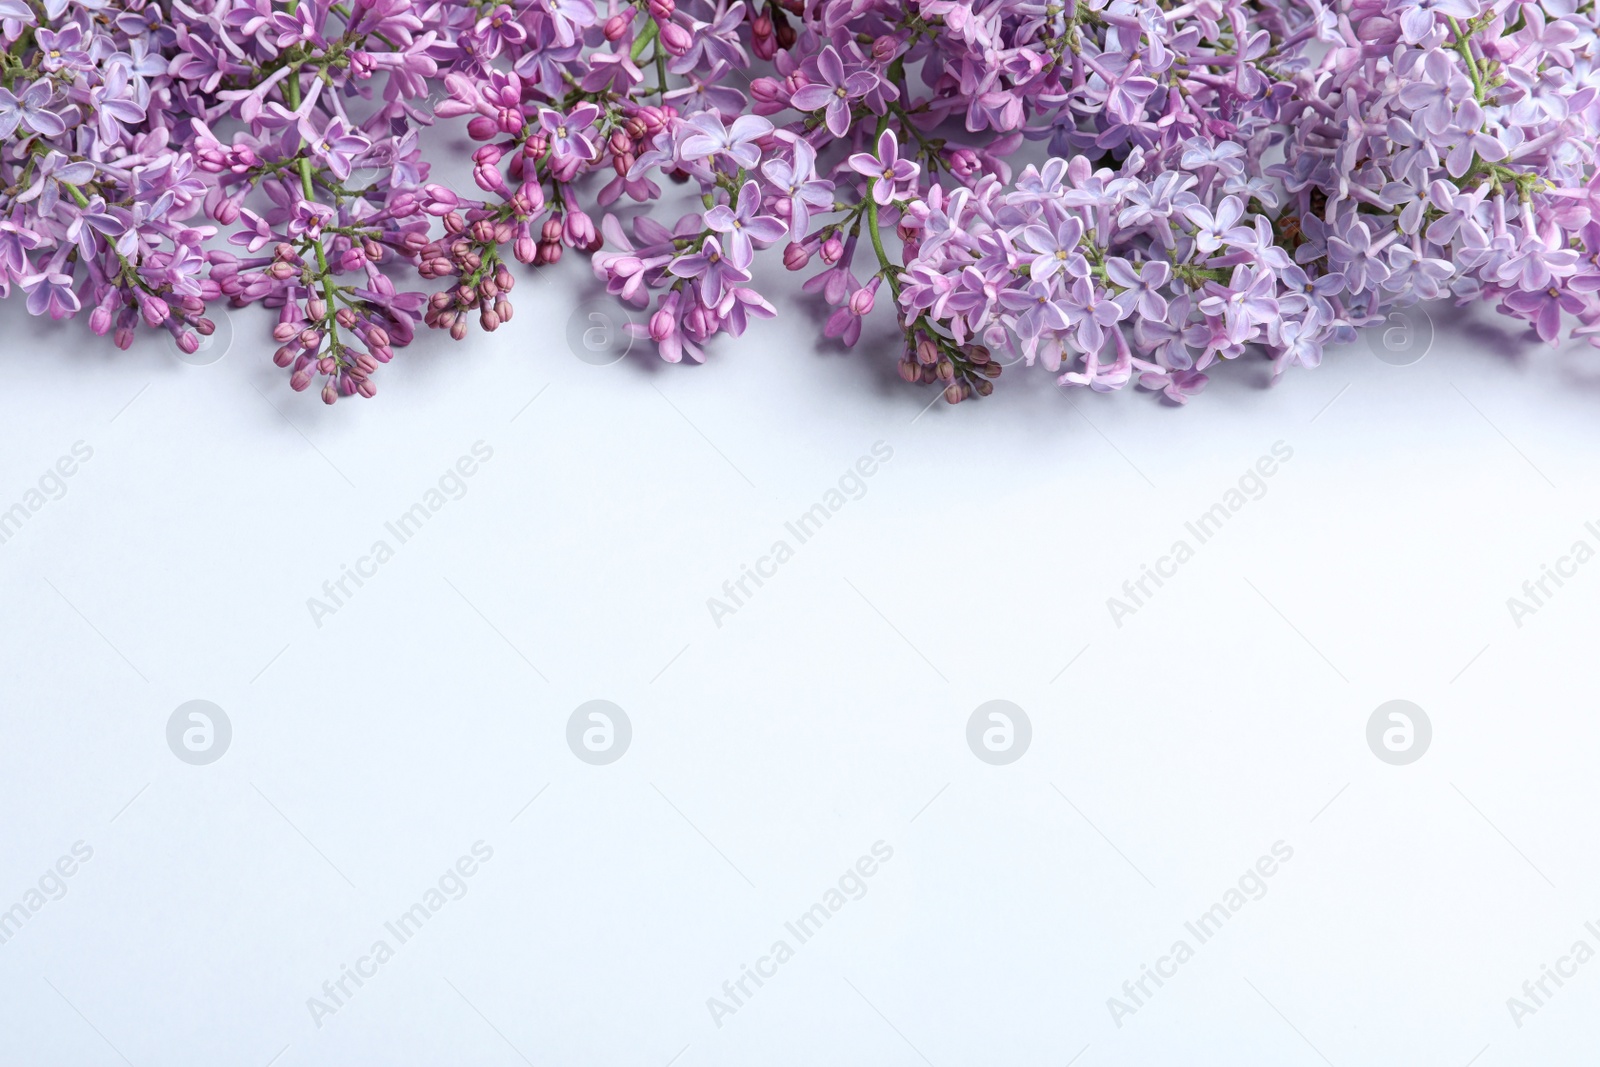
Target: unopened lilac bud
346, 318
832, 250
927, 351
884, 48
367, 389
330, 394
662, 325
316, 309
795, 256
300, 380
188, 342
661, 10
675, 39
861, 300
910, 371
226, 211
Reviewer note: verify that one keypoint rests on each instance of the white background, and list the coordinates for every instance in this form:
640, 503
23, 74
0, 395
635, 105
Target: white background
827, 714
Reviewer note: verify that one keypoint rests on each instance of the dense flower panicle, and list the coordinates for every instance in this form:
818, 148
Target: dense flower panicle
1218, 178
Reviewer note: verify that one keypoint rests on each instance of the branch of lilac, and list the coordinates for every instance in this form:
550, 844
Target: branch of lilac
1221, 178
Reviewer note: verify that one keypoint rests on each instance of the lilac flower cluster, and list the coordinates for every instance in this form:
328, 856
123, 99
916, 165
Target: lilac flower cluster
1208, 179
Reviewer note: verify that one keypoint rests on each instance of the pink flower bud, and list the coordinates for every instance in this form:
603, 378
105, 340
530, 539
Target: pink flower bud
795, 256
579, 229
662, 325
769, 91
832, 250
675, 38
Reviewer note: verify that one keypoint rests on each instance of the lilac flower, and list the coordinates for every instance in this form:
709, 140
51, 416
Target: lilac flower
1057, 250
745, 227
1542, 308
335, 147
835, 91
738, 142
714, 272
1141, 289
798, 182
1444, 88
30, 110
1418, 17
62, 50
567, 17
715, 43
117, 103
51, 294
570, 133
887, 171
1213, 231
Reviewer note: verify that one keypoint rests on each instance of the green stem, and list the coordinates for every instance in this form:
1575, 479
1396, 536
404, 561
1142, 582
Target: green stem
651, 31
1464, 46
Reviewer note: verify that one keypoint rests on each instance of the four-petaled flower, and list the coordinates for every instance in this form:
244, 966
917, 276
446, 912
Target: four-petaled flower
887, 170
836, 91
